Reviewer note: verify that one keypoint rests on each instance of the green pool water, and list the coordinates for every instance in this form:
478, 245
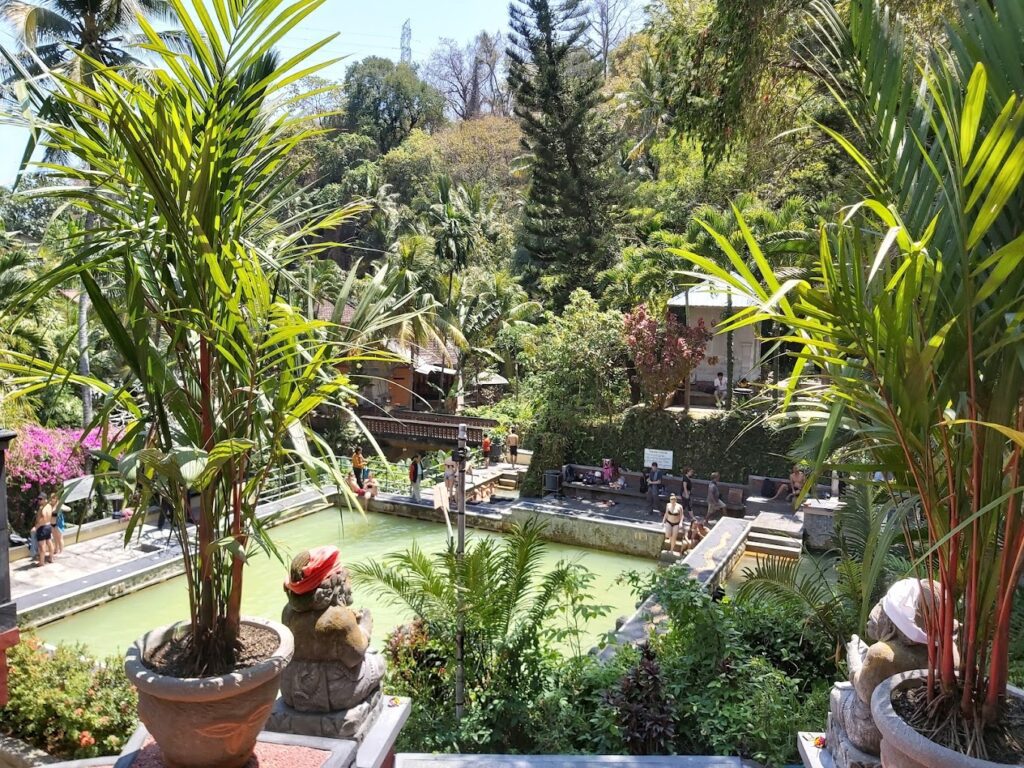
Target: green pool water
110, 628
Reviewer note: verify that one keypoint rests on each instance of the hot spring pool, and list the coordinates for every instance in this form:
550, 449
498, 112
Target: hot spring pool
112, 627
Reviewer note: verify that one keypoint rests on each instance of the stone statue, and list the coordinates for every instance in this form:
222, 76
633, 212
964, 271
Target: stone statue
899, 644
332, 686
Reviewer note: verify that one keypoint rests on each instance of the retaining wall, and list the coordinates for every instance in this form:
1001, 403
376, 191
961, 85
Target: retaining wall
620, 536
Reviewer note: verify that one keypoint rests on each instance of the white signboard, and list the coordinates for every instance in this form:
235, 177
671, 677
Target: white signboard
662, 458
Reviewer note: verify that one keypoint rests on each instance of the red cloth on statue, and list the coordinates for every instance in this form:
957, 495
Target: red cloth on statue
323, 561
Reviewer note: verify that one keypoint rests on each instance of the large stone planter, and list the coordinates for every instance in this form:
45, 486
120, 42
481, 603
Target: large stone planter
902, 746
207, 721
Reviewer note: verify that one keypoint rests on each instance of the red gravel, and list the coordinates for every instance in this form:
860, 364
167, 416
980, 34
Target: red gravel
266, 756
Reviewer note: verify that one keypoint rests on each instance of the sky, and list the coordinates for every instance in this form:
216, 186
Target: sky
365, 27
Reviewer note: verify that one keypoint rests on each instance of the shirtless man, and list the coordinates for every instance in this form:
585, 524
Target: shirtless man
792, 488
512, 441
42, 529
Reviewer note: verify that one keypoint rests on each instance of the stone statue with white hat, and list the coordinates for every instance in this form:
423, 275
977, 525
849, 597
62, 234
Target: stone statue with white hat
896, 625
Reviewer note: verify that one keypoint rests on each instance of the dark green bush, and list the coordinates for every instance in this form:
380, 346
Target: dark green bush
739, 688
643, 708
66, 704
725, 443
576, 711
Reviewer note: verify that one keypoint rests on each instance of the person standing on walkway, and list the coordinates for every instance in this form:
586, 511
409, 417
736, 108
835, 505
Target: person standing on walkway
415, 475
654, 486
673, 520
687, 486
485, 446
58, 523
716, 507
43, 531
721, 388
513, 446
358, 465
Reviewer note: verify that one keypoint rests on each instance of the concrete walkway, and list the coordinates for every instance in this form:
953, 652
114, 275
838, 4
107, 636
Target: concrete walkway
93, 571
85, 558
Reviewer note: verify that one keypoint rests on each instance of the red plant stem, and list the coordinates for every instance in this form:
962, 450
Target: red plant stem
969, 659
947, 603
1013, 559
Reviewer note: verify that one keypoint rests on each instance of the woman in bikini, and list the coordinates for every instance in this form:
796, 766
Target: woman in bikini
58, 523
673, 519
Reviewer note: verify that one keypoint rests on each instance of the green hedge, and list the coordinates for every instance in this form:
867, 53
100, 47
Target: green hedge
724, 442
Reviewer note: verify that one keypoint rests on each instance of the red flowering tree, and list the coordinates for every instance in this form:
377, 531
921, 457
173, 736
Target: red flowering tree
664, 351
40, 460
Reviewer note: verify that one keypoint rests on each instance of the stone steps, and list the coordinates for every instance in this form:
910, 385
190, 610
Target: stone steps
773, 538
773, 533
757, 548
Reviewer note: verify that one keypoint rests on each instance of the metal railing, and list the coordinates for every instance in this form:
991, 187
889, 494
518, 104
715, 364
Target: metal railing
421, 429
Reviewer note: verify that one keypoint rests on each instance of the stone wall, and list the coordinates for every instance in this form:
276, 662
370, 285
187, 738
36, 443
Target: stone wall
610, 535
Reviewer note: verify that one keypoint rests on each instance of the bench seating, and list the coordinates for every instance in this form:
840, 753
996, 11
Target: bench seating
732, 493
758, 503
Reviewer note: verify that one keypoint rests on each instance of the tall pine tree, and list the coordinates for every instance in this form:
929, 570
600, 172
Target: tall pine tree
567, 234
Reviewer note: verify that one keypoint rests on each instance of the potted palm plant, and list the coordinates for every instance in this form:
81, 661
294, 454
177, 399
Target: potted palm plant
912, 312
191, 224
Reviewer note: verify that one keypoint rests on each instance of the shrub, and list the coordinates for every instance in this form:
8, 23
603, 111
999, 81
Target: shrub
67, 704
39, 460
718, 661
576, 711
727, 443
514, 612
644, 711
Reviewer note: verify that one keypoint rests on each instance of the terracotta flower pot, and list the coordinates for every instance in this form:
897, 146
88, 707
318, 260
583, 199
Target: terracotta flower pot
207, 721
904, 747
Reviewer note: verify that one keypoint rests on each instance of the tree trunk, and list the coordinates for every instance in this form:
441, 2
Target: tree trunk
83, 360
730, 362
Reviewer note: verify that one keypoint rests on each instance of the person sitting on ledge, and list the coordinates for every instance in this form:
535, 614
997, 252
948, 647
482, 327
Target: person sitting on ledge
698, 530
370, 486
791, 489
353, 486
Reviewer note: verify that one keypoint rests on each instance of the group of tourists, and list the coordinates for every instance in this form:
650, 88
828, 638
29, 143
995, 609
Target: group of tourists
46, 539
679, 509
361, 480
511, 443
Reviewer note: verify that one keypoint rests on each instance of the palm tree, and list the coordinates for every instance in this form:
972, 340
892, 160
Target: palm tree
227, 371
784, 233
868, 528
506, 598
912, 311
74, 38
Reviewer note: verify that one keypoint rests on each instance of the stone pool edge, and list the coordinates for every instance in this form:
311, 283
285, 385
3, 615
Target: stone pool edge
50, 604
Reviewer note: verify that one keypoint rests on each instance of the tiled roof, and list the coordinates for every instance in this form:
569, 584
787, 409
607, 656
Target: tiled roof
431, 353
325, 311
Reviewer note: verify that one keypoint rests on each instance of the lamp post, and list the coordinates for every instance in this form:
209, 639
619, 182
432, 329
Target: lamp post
460, 669
9, 635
